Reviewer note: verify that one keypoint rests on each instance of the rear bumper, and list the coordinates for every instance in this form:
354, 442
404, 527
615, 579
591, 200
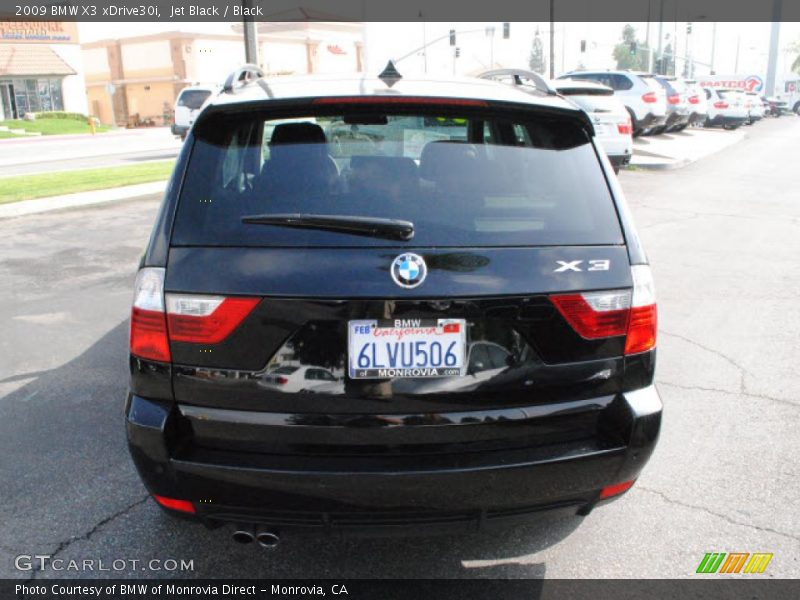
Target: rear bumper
722, 120
619, 160
649, 121
390, 494
179, 129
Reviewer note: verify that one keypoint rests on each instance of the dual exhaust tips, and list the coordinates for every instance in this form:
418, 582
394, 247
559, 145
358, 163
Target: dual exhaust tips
266, 537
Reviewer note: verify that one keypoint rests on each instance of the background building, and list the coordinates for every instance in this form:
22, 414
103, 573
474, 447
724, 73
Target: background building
41, 68
135, 80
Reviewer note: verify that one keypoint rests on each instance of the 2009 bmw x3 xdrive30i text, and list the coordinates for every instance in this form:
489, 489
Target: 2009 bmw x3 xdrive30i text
390, 306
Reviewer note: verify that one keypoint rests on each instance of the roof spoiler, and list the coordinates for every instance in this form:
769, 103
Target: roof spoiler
241, 77
519, 77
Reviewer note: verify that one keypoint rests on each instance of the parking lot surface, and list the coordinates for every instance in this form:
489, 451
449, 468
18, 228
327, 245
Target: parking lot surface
723, 235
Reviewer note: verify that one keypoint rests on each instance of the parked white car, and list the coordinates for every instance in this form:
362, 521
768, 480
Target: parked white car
294, 378
698, 103
188, 104
644, 98
726, 108
755, 107
612, 123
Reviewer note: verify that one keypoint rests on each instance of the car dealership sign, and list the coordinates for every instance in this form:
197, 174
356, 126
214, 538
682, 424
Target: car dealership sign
747, 83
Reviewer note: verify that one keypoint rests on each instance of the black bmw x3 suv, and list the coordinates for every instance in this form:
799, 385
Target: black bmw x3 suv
390, 306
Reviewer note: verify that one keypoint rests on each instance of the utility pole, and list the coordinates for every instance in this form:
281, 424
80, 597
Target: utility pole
713, 44
774, 37
647, 40
736, 63
250, 40
660, 37
552, 42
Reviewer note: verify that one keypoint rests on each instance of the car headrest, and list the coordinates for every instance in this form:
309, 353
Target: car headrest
390, 166
447, 159
297, 133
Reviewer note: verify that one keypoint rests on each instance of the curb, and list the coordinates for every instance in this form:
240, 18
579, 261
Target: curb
672, 164
92, 198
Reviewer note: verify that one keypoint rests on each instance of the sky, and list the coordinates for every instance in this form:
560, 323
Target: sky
393, 40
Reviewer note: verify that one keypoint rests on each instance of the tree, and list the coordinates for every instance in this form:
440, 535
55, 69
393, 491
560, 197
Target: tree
536, 60
794, 48
630, 53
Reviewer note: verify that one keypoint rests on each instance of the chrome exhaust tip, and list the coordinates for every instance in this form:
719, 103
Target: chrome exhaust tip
268, 538
243, 534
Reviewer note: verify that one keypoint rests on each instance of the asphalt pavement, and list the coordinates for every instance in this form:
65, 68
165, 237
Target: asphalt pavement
46, 154
723, 235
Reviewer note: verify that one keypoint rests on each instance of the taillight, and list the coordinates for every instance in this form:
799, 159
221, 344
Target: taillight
673, 98
595, 315
644, 316
720, 104
148, 337
650, 97
626, 127
280, 380
157, 320
205, 319
694, 100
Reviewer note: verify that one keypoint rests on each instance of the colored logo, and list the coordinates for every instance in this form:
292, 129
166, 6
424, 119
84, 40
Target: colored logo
734, 562
409, 270
754, 83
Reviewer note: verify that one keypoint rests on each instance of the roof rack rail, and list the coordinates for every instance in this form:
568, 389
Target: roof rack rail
519, 77
242, 76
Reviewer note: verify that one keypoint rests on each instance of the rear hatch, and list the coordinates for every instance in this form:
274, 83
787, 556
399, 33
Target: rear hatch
610, 118
437, 258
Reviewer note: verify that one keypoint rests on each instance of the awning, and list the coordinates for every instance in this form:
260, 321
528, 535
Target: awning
31, 60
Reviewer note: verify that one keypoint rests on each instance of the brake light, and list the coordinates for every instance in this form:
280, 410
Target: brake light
597, 315
148, 335
626, 127
673, 98
205, 319
280, 380
694, 100
650, 97
720, 104
616, 489
175, 504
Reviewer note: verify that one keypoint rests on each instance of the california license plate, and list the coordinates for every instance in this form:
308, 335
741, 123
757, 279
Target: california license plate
388, 348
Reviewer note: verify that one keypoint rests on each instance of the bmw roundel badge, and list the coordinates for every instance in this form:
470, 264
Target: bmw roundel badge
409, 270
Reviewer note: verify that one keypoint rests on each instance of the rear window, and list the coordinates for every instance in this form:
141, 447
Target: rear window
284, 371
604, 102
462, 179
193, 99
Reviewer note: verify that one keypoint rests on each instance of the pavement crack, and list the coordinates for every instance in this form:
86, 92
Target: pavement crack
700, 388
724, 517
63, 545
741, 370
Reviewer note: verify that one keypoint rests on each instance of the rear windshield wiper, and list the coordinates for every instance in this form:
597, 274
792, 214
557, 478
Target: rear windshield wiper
393, 229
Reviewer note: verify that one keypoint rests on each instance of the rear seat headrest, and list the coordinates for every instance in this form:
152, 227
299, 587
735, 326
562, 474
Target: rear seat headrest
446, 159
298, 133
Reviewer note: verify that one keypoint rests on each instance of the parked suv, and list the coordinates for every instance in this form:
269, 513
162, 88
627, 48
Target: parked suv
698, 103
641, 94
726, 108
187, 106
612, 124
479, 216
678, 112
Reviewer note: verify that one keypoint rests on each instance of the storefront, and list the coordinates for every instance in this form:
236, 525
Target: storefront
40, 69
